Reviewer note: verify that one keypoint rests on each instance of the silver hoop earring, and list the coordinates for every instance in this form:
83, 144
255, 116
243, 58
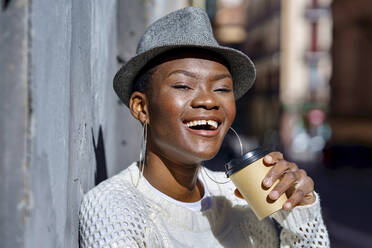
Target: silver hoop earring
241, 153
142, 159
211, 178
240, 142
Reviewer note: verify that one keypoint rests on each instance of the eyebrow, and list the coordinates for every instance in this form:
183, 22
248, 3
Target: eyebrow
190, 74
186, 73
221, 76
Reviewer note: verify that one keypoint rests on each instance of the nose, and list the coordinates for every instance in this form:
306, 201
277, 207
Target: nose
205, 100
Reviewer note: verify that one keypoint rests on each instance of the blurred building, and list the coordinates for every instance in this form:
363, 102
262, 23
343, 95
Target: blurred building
263, 46
230, 21
351, 105
160, 8
306, 39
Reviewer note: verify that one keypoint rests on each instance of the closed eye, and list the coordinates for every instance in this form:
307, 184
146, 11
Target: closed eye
181, 87
223, 90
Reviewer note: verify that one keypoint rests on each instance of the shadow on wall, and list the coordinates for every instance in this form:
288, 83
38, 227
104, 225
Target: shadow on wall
99, 151
5, 4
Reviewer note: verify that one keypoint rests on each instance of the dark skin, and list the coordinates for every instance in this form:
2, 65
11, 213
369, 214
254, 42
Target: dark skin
188, 87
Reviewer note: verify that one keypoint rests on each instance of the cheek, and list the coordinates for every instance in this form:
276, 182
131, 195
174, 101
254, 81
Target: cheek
164, 113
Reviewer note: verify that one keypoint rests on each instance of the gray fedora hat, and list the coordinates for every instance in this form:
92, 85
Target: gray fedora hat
185, 28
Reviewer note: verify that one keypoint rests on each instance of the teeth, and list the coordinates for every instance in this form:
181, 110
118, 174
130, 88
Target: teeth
212, 123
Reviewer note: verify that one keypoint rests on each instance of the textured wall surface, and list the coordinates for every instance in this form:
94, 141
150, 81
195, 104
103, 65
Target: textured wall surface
62, 127
14, 113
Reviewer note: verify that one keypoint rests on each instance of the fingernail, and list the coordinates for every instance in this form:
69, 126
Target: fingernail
268, 159
287, 205
267, 182
274, 195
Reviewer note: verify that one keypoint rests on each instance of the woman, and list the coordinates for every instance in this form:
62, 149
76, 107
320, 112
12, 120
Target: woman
182, 87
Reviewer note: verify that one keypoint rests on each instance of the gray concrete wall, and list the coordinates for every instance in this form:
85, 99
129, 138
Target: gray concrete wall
14, 112
62, 128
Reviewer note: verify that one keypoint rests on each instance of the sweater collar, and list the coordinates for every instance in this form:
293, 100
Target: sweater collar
169, 210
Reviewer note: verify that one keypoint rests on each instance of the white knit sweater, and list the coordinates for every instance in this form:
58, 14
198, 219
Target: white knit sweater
119, 213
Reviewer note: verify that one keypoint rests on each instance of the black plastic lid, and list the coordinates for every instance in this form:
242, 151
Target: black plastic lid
239, 163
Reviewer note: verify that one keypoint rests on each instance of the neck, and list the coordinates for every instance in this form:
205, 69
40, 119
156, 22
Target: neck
176, 180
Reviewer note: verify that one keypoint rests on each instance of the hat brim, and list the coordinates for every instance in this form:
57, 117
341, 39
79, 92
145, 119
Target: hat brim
241, 68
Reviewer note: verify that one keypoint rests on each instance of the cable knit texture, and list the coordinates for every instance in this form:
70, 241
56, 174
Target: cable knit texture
124, 211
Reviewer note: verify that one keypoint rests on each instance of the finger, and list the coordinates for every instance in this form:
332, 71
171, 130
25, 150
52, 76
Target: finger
293, 166
293, 201
275, 173
307, 185
301, 178
238, 194
303, 193
303, 181
309, 198
284, 184
273, 157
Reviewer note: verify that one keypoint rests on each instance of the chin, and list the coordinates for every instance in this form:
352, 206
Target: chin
205, 154
204, 150
187, 152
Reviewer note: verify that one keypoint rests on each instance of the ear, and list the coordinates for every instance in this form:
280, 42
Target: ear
138, 107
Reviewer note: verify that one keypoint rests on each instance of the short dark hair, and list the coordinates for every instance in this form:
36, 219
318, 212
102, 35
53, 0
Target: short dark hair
142, 81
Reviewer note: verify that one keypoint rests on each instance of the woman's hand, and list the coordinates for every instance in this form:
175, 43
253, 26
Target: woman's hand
293, 181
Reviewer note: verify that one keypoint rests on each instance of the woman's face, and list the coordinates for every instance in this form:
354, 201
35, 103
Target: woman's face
191, 107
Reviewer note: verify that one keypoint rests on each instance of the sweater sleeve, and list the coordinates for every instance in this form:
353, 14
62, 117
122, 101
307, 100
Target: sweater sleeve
303, 226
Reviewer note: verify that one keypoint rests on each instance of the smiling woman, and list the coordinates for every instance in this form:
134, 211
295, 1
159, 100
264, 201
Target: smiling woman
182, 87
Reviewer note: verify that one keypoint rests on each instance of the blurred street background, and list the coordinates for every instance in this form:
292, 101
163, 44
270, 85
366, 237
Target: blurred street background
63, 130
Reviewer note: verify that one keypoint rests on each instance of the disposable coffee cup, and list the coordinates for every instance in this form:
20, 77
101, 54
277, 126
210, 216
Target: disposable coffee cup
247, 173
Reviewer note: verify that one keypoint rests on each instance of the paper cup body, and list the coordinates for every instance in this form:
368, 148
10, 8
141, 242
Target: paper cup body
248, 180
